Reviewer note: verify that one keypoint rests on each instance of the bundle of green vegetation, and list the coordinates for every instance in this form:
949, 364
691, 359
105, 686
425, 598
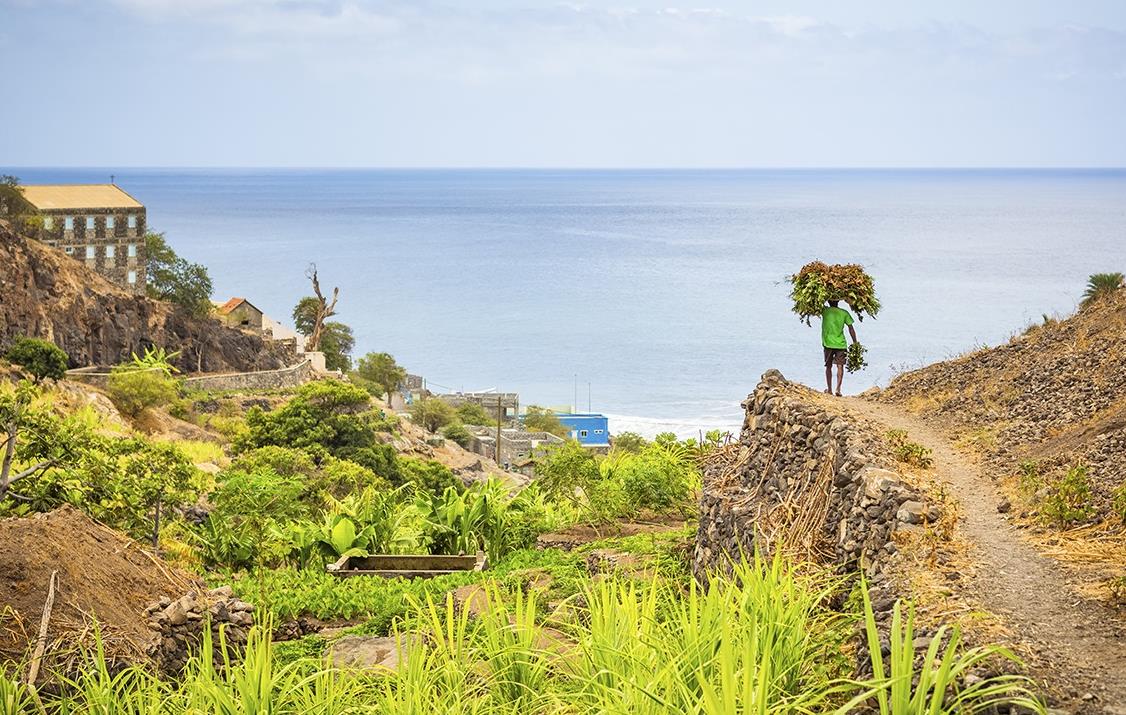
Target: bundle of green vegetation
854, 361
818, 283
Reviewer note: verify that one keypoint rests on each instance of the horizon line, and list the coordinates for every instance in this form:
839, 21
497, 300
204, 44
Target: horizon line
315, 167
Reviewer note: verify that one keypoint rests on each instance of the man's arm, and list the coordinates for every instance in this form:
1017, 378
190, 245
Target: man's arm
852, 332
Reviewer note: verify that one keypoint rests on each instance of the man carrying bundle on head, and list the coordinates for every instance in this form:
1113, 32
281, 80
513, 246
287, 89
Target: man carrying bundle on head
817, 289
833, 322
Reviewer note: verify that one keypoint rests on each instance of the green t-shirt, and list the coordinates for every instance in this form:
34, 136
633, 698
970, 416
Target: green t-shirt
833, 322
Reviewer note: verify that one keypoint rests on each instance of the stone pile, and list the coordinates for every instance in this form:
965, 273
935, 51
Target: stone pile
180, 625
807, 475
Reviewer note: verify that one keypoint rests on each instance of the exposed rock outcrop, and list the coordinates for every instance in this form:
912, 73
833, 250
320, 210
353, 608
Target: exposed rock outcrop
47, 294
809, 478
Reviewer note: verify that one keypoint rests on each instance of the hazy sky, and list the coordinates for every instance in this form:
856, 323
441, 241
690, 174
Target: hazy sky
599, 83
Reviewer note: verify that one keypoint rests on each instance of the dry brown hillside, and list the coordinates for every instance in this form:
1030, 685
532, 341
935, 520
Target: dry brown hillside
1045, 417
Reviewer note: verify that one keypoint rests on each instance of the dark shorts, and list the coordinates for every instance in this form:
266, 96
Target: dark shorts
835, 356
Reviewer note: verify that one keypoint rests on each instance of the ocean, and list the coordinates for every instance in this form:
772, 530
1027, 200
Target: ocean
656, 297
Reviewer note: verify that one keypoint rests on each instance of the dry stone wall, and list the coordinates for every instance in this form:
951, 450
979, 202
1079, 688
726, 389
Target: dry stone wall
808, 477
180, 624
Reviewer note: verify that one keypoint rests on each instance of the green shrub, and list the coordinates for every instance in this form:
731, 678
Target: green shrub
42, 359
1030, 481
656, 478
380, 459
472, 413
564, 471
340, 477
1068, 500
628, 442
134, 391
456, 432
1118, 501
909, 452
285, 461
427, 476
432, 414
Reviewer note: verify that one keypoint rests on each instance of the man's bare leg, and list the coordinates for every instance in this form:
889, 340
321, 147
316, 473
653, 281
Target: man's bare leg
829, 379
840, 378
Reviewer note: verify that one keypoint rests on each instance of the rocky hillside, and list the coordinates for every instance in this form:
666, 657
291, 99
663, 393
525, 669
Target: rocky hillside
1055, 395
47, 294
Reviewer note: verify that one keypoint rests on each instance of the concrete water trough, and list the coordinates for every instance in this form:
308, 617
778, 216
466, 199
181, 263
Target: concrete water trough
406, 565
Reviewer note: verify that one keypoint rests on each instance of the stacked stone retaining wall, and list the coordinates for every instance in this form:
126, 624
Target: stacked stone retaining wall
808, 477
291, 376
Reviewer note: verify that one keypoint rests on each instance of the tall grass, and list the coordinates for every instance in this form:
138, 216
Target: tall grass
761, 642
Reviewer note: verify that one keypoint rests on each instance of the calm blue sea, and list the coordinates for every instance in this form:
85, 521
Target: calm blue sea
663, 290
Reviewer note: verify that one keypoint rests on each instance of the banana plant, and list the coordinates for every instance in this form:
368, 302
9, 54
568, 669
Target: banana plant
339, 537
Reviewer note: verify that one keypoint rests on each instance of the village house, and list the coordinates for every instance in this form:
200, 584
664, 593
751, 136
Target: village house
508, 402
591, 429
98, 224
517, 447
240, 313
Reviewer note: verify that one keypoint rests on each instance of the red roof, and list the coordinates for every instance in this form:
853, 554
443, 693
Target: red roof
234, 303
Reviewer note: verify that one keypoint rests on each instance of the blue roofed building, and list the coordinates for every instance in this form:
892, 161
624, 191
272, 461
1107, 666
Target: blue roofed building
589, 428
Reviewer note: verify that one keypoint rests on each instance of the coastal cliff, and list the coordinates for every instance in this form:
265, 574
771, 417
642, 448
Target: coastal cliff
47, 294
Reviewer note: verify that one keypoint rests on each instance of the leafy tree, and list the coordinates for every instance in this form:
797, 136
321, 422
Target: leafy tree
471, 413
41, 358
380, 369
329, 415
11, 195
127, 480
1102, 285
628, 442
14, 206
336, 344
433, 414
541, 419
172, 278
32, 440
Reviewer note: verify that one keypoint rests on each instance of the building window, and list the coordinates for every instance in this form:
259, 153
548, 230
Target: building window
48, 222
70, 250
131, 221
89, 253
110, 221
598, 431
131, 251
111, 251
89, 223
582, 433
68, 223
132, 277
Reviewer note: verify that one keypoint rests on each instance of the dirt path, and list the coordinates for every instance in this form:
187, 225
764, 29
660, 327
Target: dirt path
1080, 645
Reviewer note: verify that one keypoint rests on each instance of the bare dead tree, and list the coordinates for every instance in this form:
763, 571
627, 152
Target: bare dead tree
324, 309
